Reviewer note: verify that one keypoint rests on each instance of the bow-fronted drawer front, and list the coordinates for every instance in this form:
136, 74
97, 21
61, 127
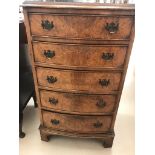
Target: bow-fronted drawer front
77, 103
90, 81
81, 27
79, 55
76, 123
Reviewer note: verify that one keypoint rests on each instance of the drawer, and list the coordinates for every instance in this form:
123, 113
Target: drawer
77, 103
92, 81
76, 123
81, 27
79, 55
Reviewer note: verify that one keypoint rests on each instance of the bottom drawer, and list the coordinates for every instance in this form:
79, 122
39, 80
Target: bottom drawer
76, 123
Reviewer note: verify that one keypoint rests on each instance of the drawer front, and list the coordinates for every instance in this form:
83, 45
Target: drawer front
96, 82
81, 27
76, 123
79, 55
80, 103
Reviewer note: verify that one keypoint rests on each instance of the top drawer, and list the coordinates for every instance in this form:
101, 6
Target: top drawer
81, 27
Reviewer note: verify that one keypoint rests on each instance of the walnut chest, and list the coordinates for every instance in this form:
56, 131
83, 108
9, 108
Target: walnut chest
79, 54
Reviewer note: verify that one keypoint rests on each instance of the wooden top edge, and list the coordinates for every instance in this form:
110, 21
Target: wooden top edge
79, 5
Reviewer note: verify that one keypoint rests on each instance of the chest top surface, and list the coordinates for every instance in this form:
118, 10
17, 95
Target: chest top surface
81, 4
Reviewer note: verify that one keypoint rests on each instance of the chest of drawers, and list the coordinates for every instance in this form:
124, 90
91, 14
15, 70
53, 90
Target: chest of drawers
79, 54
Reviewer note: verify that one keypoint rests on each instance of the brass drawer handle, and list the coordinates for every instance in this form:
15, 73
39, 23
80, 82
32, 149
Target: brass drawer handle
112, 27
49, 53
55, 121
108, 56
53, 100
51, 79
104, 82
47, 25
98, 124
101, 103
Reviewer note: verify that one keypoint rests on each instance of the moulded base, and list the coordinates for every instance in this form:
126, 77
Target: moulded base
105, 138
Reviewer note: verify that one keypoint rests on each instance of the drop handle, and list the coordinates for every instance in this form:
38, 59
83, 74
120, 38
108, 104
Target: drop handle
47, 25
55, 122
51, 79
53, 101
107, 56
49, 54
101, 103
112, 27
104, 82
98, 124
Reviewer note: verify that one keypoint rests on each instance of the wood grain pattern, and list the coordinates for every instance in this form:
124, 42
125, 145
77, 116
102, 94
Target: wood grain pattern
77, 123
79, 55
48, 131
80, 103
78, 80
79, 34
88, 27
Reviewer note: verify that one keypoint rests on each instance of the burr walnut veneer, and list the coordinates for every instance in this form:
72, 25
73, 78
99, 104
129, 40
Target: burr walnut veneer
79, 54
